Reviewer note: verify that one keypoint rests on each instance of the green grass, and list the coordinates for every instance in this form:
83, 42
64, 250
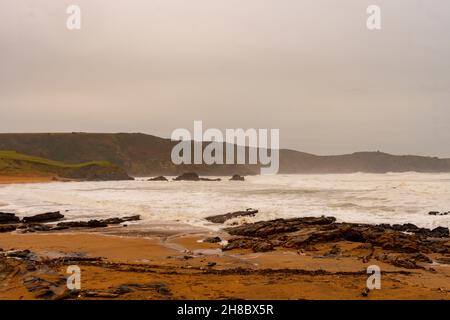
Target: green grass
14, 156
16, 164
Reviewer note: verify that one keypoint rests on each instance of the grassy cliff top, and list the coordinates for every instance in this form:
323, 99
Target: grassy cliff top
13, 163
6, 156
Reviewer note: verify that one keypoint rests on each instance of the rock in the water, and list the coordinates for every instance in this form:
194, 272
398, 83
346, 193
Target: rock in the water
44, 217
6, 218
237, 177
159, 178
224, 217
437, 213
209, 179
192, 176
188, 176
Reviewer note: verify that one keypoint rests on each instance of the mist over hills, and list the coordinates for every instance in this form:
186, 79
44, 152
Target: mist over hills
147, 155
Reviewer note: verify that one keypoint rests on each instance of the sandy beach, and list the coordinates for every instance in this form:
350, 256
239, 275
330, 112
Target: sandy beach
168, 266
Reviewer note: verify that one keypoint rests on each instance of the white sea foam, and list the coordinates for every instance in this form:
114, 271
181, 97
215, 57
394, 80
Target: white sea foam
364, 198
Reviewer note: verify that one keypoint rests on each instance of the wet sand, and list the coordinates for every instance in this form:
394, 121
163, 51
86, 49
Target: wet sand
179, 266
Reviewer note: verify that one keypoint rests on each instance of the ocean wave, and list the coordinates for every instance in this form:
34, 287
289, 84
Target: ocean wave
365, 198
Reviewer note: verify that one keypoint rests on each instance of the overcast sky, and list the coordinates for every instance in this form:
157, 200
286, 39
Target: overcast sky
308, 67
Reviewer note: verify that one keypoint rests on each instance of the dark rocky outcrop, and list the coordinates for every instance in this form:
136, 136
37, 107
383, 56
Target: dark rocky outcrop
34, 227
82, 224
237, 177
121, 220
303, 233
30, 224
98, 223
409, 227
249, 243
95, 223
6, 218
158, 178
192, 176
44, 217
7, 228
224, 217
188, 176
437, 213
263, 229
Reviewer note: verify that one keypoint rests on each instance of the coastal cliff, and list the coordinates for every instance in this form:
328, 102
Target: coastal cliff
146, 155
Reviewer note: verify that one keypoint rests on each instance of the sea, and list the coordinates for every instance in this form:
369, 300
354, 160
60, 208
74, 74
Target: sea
360, 197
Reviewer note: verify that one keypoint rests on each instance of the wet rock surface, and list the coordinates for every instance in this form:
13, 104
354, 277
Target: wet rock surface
44, 217
27, 226
7, 228
82, 224
266, 228
224, 217
401, 245
96, 223
437, 213
237, 177
6, 218
121, 220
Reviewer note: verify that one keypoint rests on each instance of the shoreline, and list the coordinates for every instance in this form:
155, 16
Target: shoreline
4, 180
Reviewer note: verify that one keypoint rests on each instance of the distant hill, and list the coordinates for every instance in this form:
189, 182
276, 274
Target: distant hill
17, 164
147, 155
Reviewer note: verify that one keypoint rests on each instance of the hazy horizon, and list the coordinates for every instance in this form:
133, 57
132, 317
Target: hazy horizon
310, 68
